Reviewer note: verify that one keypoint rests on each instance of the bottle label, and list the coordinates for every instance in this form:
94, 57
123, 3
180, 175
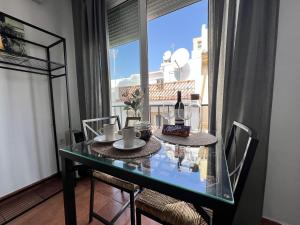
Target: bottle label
179, 117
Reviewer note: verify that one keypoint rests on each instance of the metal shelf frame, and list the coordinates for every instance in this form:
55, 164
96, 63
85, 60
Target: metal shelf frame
41, 67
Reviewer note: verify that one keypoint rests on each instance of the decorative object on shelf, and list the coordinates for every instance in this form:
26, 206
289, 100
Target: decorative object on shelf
144, 127
11, 33
133, 101
176, 130
1, 44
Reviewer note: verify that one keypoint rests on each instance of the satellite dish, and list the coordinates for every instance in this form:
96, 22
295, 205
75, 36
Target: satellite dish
180, 57
167, 55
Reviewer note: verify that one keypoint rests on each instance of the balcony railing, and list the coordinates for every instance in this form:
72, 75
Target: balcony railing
156, 118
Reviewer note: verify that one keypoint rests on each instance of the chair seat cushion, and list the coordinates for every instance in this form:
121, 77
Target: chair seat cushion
114, 181
168, 209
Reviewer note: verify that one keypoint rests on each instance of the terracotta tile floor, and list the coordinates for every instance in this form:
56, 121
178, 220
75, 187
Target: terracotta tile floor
108, 201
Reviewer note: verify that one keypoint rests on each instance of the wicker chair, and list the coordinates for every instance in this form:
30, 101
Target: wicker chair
167, 210
170, 211
122, 185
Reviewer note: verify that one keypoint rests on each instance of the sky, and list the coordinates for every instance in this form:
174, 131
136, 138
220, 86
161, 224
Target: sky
170, 32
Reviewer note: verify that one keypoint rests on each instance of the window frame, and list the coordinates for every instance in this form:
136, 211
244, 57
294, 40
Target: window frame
143, 52
144, 73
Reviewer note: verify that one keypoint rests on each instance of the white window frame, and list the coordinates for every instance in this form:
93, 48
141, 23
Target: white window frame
144, 73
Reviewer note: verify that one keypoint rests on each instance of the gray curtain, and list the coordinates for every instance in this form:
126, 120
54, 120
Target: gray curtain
222, 30
91, 58
216, 8
248, 91
243, 86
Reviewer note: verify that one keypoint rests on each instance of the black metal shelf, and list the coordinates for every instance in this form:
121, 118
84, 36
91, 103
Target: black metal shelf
36, 65
29, 62
39, 66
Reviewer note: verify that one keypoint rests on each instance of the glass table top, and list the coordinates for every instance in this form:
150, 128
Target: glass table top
202, 170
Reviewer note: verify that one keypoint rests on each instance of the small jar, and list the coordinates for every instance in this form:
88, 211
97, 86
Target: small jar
144, 127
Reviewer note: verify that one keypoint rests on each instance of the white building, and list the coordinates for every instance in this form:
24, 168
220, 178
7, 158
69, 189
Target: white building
193, 67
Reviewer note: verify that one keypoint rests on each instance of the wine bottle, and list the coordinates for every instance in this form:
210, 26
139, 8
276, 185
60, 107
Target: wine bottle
179, 110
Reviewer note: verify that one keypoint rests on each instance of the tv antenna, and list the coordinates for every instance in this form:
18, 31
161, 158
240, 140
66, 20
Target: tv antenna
114, 53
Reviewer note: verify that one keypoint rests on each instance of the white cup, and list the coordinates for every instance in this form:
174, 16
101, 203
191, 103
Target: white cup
109, 131
129, 135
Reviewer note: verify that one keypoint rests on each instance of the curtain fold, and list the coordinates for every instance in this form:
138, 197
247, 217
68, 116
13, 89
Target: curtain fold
215, 26
242, 60
222, 18
91, 58
248, 92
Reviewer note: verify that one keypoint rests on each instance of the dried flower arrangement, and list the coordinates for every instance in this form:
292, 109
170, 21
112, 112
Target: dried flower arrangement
133, 101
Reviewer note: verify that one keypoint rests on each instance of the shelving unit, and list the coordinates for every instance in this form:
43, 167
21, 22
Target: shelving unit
50, 70
39, 66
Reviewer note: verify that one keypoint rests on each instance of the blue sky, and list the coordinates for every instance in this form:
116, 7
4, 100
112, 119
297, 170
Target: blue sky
170, 32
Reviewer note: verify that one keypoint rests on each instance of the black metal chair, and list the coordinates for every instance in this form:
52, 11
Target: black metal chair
122, 185
239, 162
240, 149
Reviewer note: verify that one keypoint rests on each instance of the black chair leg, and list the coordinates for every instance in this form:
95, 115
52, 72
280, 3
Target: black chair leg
138, 217
92, 199
132, 208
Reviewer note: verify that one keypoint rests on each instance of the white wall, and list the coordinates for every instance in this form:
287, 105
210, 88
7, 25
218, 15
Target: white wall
282, 193
27, 149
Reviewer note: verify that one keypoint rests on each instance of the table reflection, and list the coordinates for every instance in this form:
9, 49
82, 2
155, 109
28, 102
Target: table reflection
186, 167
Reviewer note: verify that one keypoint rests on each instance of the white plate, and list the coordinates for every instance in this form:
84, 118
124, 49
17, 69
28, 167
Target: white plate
102, 138
137, 143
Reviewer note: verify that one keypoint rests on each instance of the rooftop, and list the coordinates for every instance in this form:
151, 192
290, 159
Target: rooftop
163, 91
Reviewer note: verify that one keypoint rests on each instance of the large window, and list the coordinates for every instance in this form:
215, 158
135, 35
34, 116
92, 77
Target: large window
124, 52
177, 52
177, 56
125, 72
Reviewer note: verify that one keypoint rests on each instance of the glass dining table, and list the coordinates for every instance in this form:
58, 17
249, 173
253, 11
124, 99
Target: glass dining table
198, 175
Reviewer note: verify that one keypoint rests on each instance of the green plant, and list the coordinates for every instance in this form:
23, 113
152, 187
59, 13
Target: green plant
133, 101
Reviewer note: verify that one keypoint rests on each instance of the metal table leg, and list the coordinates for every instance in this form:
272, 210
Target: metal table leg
222, 217
68, 191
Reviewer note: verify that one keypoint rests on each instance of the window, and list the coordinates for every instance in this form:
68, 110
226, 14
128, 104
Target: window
124, 59
175, 27
177, 53
121, 74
